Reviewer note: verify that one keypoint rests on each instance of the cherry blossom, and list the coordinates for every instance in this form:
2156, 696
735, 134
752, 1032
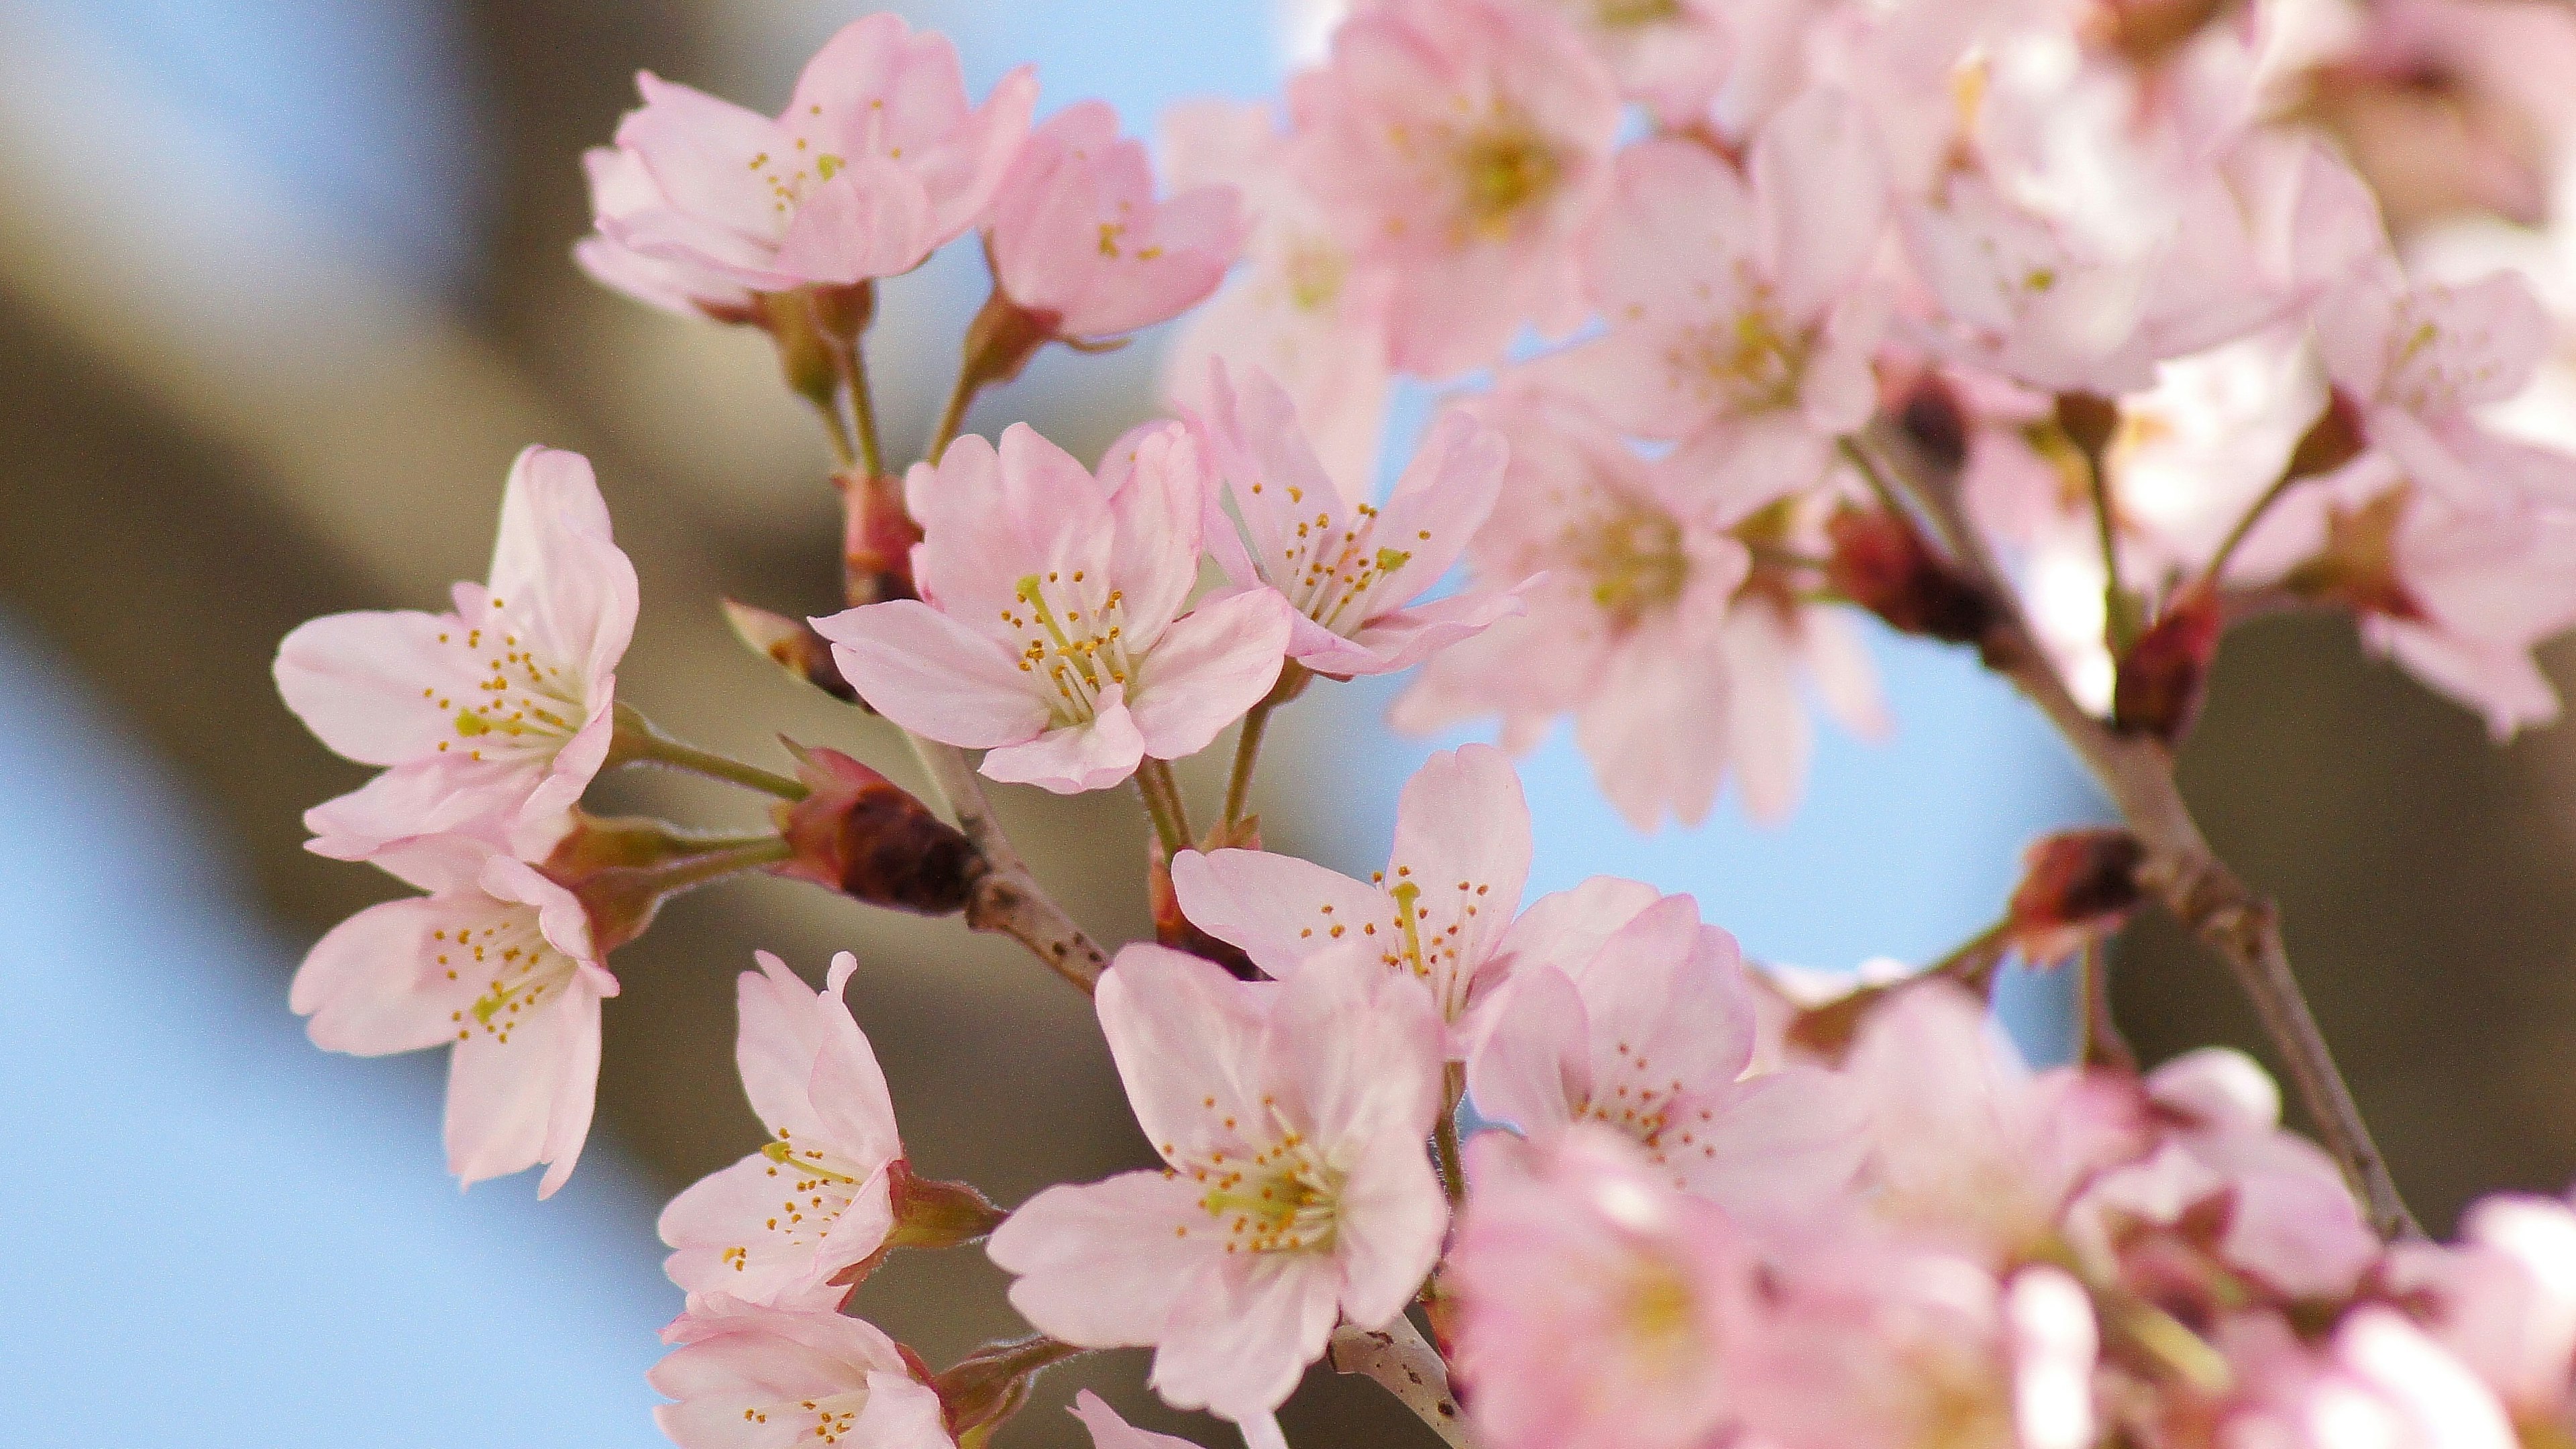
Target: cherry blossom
1736, 320
2503, 1301
492, 717
876, 162
1440, 913
1465, 145
1651, 1035
1291, 1118
752, 1377
622, 185
1302, 309
1108, 1431
497, 961
780, 1224
1078, 238
2380, 1381
1626, 630
1352, 569
1049, 632
1578, 1240
1669, 55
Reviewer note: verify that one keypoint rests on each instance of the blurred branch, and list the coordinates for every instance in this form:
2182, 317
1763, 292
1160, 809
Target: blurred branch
1402, 1361
2181, 870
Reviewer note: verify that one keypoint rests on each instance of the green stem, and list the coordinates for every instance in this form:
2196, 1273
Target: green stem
2119, 622
1444, 1136
1891, 500
638, 741
2244, 528
863, 406
837, 431
1163, 805
1293, 679
952, 416
696, 870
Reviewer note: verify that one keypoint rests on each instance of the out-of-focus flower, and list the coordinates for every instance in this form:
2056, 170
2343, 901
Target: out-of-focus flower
1465, 145
1668, 55
2503, 1301
1440, 913
1651, 1035
753, 1377
1079, 240
1352, 570
496, 960
1579, 1241
1737, 320
491, 718
1049, 631
2379, 1381
1303, 309
780, 1224
1108, 1431
876, 162
1292, 1118
1626, 631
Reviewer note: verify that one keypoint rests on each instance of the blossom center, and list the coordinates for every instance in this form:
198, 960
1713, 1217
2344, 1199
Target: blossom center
1634, 14
521, 971
1505, 169
1072, 640
1316, 271
1749, 364
1284, 1199
1637, 563
816, 1192
521, 704
1331, 572
1660, 1311
832, 1416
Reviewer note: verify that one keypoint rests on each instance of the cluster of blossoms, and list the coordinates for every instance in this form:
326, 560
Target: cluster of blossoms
2074, 330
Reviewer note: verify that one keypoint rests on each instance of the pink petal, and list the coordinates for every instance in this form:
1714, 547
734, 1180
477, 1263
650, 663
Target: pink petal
934, 676
1535, 1061
1208, 668
1242, 1335
514, 1104
1280, 909
356, 680
1074, 758
872, 219
1183, 1031
1102, 1264
1821, 196
1108, 1431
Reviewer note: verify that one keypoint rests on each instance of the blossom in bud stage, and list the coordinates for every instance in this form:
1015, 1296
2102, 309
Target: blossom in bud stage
1969, 1149
1577, 1240
1651, 1035
875, 163
1465, 146
858, 833
1049, 632
1302, 309
1873, 1345
1292, 1118
753, 1377
779, 1225
1351, 569
1884, 564
2274, 1205
1669, 55
1440, 913
1078, 238
1627, 631
1738, 322
497, 961
491, 718
2503, 1301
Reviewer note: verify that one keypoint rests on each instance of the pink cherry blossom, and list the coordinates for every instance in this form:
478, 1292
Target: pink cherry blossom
753, 1377
1292, 1118
1738, 322
2489, 587
1626, 631
1669, 55
497, 961
1970, 1150
2287, 1217
1302, 309
1440, 913
1650, 1035
490, 718
1578, 1241
1078, 237
1049, 631
1465, 145
1351, 569
2503, 1301
1877, 1345
780, 1224
1108, 1431
2380, 1381
876, 162
622, 185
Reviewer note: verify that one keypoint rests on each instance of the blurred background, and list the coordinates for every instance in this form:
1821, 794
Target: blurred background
283, 287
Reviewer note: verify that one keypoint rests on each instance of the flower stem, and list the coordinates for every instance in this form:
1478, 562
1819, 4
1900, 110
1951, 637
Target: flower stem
1163, 805
1444, 1135
952, 415
1293, 679
863, 407
638, 741
836, 430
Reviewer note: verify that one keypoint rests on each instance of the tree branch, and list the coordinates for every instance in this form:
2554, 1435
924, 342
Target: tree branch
2180, 870
1401, 1360
1008, 900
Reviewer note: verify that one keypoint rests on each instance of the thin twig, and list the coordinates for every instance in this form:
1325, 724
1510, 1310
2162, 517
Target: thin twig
2181, 870
1008, 899
1407, 1366
1163, 805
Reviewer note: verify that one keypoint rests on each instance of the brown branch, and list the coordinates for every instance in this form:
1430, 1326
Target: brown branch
1407, 1366
2181, 870
1008, 900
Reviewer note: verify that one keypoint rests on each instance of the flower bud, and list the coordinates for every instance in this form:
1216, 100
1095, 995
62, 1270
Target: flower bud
622, 870
858, 833
2165, 675
1882, 563
2077, 888
877, 536
991, 1384
793, 645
